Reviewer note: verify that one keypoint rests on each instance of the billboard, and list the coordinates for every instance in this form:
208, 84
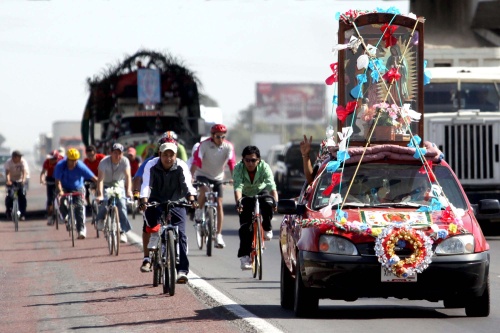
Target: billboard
291, 103
148, 86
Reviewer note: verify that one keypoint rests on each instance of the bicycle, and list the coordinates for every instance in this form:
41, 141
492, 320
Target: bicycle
164, 262
93, 204
111, 229
55, 215
15, 212
258, 244
207, 229
71, 224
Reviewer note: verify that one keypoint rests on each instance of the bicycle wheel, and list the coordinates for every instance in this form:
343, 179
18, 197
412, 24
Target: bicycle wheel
164, 272
56, 215
155, 262
108, 234
15, 215
258, 250
134, 209
209, 225
170, 270
94, 217
115, 222
200, 234
71, 221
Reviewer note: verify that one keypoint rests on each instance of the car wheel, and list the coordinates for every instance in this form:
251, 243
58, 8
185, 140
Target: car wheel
304, 303
286, 287
453, 302
479, 306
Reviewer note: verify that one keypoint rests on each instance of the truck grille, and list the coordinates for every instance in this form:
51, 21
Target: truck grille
470, 150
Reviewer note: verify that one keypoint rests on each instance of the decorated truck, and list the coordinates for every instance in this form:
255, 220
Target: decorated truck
138, 99
381, 213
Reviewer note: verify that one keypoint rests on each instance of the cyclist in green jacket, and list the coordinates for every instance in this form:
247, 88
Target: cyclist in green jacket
252, 176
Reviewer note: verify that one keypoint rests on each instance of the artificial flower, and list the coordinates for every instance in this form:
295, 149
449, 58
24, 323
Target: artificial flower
334, 77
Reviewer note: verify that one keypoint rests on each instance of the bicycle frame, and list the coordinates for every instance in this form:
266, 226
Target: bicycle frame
71, 213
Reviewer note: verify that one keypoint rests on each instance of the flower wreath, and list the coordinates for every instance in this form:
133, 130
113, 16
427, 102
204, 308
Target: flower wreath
421, 246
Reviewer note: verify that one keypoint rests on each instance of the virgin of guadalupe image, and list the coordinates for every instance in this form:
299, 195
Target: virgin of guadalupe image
399, 90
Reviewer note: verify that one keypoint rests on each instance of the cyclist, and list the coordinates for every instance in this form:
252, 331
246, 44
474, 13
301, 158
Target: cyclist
166, 178
209, 161
181, 150
70, 174
137, 180
114, 171
134, 160
252, 176
92, 160
47, 175
16, 171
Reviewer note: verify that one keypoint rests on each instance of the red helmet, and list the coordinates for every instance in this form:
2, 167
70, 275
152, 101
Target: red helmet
218, 128
165, 139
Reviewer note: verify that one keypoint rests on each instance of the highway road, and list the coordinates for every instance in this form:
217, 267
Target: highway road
219, 284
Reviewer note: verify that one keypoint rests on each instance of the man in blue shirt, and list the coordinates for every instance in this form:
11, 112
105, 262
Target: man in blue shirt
70, 175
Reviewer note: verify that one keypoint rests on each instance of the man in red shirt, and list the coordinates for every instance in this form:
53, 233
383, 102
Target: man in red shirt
92, 161
47, 178
134, 160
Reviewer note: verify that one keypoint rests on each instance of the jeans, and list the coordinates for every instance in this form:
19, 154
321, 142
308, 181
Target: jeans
79, 207
121, 204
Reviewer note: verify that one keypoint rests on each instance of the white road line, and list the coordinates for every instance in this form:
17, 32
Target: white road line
197, 282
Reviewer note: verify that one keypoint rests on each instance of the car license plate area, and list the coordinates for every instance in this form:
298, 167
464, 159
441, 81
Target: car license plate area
388, 276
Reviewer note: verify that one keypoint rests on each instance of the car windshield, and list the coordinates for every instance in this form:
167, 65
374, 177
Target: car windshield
4, 158
294, 156
447, 97
385, 184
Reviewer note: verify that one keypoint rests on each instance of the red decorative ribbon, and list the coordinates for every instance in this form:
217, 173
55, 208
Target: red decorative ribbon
334, 77
388, 37
342, 112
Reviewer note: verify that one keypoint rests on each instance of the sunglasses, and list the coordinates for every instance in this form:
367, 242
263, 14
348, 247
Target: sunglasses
220, 136
251, 160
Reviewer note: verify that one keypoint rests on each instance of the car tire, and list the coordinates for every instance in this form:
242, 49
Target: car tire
287, 285
479, 306
305, 303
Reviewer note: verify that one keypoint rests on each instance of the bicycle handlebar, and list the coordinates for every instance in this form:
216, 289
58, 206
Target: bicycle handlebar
72, 194
256, 197
198, 184
169, 203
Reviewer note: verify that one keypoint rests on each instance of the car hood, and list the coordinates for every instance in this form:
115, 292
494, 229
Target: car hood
364, 225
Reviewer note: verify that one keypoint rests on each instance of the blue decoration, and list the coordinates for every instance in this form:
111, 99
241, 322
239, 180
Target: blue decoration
427, 74
343, 156
332, 166
390, 10
340, 214
414, 142
337, 16
335, 99
419, 153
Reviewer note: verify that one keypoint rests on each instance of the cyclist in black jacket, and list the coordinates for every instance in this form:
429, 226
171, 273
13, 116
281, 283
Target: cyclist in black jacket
166, 178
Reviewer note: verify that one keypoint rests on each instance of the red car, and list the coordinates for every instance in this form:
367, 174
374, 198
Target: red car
394, 231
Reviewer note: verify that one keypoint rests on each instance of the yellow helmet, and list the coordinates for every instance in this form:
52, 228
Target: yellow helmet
73, 154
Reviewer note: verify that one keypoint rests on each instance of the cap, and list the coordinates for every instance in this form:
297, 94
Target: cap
16, 153
118, 146
168, 146
53, 154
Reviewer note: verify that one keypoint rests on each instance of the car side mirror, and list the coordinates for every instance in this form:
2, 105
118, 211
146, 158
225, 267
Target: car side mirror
287, 206
488, 206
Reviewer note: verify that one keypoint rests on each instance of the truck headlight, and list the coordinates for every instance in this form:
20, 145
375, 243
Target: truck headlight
461, 244
337, 245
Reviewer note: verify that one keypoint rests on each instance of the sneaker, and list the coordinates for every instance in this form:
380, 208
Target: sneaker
81, 234
123, 238
182, 277
219, 242
153, 241
245, 263
268, 235
100, 225
146, 266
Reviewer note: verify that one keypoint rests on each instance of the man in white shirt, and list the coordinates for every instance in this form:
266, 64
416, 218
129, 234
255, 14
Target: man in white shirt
209, 161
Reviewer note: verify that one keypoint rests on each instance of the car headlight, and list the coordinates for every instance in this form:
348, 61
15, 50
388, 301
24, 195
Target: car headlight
461, 244
337, 245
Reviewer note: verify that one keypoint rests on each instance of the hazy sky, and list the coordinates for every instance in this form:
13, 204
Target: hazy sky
49, 48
